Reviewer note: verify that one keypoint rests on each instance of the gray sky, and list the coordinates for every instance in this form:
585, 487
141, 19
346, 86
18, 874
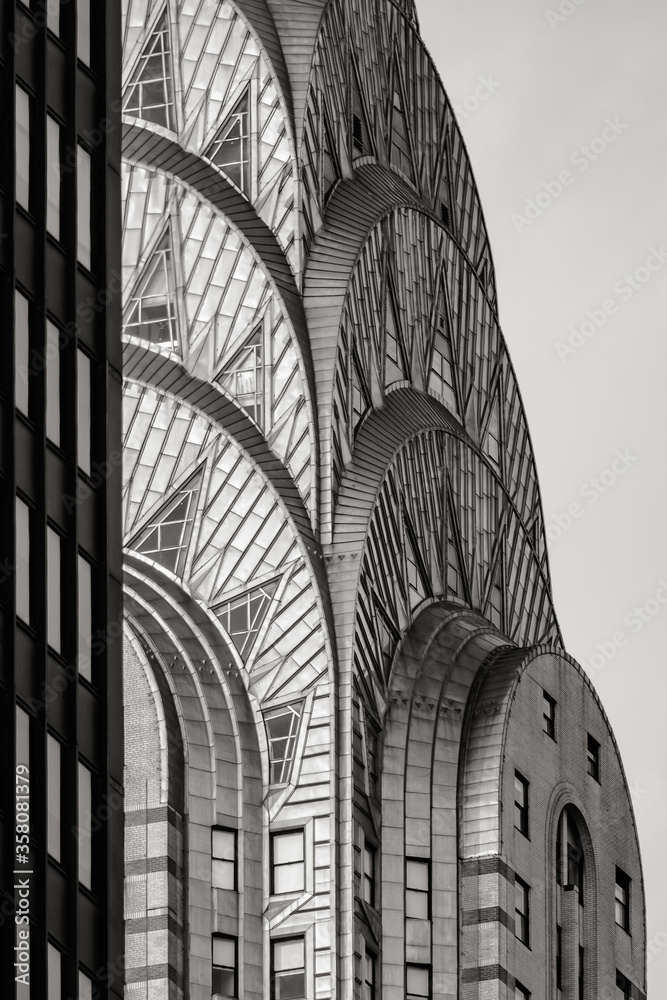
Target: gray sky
584, 92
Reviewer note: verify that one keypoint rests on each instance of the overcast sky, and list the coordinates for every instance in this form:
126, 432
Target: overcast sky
578, 89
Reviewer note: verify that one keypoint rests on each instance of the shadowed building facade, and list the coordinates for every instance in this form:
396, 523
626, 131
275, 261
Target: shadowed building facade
359, 762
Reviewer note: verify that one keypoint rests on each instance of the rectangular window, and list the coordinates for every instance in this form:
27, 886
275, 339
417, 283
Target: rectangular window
85, 616
52, 383
417, 982
53, 16
53, 769
53, 177
288, 969
223, 853
521, 911
288, 869
54, 588
370, 973
83, 411
559, 958
83, 31
83, 196
85, 987
417, 888
622, 986
368, 874
549, 715
521, 803
22, 560
520, 992
593, 758
224, 966
85, 804
21, 353
580, 976
54, 968
22, 171
622, 904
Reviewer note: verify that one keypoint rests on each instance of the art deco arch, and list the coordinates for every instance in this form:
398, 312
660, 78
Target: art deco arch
184, 75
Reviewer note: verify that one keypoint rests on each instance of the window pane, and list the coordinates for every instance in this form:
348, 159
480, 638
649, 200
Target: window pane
416, 905
53, 796
224, 982
22, 560
288, 878
53, 177
54, 974
83, 194
22, 737
83, 411
85, 617
417, 981
54, 588
223, 842
287, 847
52, 383
288, 955
85, 987
224, 952
53, 16
223, 874
417, 875
22, 171
84, 824
21, 352
83, 31
291, 986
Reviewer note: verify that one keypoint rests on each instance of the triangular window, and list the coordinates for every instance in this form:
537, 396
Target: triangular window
242, 377
441, 375
401, 155
282, 729
244, 616
230, 149
151, 312
395, 365
150, 94
167, 537
361, 137
330, 166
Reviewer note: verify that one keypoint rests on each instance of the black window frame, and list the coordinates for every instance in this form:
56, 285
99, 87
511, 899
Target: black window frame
426, 863
521, 919
276, 941
521, 809
623, 882
521, 990
593, 757
225, 968
549, 720
234, 860
286, 833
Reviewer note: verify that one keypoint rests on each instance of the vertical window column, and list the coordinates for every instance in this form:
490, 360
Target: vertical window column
83, 412
85, 804
53, 177
22, 560
85, 617
83, 206
22, 168
54, 588
21, 353
53, 770
52, 353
